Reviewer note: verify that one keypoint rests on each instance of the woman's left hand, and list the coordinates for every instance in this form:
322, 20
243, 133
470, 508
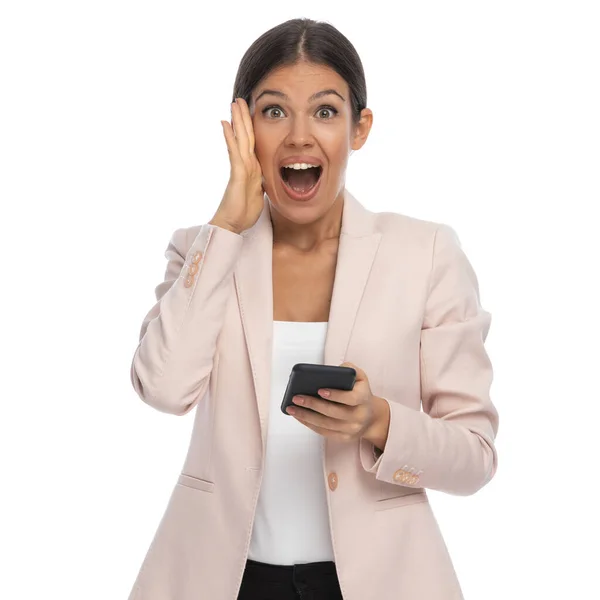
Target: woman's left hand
342, 415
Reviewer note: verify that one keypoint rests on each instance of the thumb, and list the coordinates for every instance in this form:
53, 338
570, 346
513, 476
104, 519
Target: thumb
359, 371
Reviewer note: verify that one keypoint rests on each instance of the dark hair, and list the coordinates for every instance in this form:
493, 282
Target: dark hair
300, 40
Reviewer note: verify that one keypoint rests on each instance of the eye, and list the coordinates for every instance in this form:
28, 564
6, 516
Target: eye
321, 109
329, 108
268, 108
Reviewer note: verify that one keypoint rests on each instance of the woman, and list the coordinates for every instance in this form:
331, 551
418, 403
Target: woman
330, 502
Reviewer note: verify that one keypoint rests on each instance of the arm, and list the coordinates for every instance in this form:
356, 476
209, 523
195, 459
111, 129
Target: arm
449, 446
174, 358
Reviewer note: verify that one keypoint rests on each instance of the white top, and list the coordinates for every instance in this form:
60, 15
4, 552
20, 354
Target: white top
291, 523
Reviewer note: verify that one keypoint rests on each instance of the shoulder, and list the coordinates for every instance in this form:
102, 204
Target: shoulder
405, 230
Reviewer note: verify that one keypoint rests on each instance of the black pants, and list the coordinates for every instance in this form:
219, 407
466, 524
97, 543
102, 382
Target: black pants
308, 581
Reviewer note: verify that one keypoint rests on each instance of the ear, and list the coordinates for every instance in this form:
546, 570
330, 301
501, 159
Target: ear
362, 130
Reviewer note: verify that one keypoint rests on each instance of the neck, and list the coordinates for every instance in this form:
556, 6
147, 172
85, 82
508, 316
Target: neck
308, 236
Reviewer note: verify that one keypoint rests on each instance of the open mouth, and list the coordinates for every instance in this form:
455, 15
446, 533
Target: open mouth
301, 180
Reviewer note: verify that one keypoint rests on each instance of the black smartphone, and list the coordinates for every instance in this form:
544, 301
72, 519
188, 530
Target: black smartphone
307, 379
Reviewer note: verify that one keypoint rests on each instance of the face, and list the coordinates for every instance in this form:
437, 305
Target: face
289, 123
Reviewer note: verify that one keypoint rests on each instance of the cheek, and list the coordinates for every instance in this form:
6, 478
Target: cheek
264, 149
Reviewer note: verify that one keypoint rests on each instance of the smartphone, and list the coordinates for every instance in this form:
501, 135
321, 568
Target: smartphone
307, 379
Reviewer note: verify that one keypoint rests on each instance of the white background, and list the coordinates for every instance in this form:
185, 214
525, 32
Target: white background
486, 117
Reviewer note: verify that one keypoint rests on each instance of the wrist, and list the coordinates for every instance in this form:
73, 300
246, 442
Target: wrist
223, 225
377, 433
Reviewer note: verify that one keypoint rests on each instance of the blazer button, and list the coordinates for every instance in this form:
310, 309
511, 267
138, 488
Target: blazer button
333, 481
402, 476
189, 282
192, 269
196, 258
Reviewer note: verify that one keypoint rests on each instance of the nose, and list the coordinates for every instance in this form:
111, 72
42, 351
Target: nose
299, 133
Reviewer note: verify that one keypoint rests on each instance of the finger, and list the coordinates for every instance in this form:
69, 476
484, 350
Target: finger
239, 129
319, 420
347, 397
335, 410
232, 147
321, 427
329, 433
247, 120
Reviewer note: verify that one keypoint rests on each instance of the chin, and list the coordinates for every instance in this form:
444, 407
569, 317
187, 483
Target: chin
293, 209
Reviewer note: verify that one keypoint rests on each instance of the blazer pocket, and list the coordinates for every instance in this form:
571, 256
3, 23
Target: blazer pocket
403, 500
195, 482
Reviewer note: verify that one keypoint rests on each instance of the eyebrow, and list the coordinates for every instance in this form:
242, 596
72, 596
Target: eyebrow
313, 97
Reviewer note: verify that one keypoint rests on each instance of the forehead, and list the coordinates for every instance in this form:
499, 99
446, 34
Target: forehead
301, 81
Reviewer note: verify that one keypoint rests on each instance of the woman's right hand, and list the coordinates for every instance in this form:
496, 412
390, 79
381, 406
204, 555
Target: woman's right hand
243, 200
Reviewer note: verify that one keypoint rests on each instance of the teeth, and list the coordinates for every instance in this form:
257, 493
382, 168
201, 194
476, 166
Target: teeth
300, 166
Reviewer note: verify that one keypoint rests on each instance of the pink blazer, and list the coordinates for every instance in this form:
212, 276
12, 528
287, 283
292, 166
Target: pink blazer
406, 309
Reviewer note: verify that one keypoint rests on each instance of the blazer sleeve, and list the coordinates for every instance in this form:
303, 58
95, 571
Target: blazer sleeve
449, 446
177, 342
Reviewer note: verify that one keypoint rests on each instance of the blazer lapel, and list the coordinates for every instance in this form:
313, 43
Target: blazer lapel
253, 278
